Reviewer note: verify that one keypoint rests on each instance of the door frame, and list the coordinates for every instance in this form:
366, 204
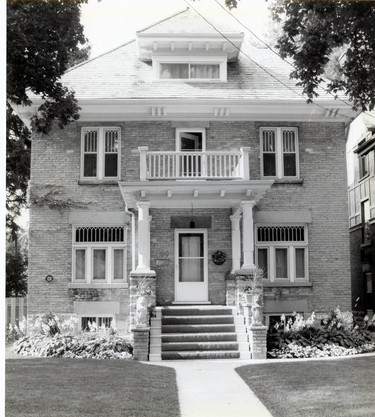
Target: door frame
204, 285
180, 130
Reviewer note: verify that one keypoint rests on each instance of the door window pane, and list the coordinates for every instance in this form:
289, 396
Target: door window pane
300, 263
281, 255
191, 270
80, 266
191, 245
118, 264
99, 258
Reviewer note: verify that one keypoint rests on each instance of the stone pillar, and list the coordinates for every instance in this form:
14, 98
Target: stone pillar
236, 242
230, 288
141, 285
143, 238
258, 342
248, 235
141, 341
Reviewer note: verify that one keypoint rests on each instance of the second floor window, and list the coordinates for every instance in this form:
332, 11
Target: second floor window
100, 153
279, 152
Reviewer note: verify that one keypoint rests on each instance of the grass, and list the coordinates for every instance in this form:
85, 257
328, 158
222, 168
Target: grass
331, 388
87, 387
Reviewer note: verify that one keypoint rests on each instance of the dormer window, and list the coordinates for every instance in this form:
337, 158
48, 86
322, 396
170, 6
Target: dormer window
194, 69
189, 71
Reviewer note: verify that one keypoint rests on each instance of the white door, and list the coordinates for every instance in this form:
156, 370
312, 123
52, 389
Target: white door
191, 284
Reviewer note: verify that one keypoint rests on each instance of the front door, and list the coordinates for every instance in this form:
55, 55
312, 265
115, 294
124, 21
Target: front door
191, 265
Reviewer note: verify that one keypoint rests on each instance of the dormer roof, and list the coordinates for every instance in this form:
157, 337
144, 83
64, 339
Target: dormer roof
188, 33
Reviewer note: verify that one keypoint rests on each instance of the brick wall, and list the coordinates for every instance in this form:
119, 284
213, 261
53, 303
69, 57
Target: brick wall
56, 166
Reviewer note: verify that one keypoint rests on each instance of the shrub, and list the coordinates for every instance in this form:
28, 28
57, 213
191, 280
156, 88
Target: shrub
335, 336
94, 346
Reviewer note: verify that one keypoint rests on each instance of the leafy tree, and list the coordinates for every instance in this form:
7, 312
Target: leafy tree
332, 39
44, 38
16, 264
312, 34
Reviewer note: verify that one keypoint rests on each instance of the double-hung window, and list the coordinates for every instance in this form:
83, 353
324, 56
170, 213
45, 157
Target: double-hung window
99, 254
100, 153
281, 252
279, 152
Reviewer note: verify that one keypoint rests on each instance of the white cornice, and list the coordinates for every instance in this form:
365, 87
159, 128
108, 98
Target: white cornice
117, 110
202, 194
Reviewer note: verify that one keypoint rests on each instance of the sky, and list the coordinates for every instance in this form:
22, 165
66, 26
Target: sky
111, 23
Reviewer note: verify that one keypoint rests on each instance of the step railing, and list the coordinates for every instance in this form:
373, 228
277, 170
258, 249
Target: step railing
166, 165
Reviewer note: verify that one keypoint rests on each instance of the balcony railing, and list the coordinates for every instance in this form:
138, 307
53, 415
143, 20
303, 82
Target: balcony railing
193, 165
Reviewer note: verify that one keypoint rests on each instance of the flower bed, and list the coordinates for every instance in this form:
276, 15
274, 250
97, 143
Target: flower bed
335, 335
51, 336
91, 346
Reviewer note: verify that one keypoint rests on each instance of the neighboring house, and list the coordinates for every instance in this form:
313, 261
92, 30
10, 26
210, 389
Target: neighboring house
361, 182
188, 153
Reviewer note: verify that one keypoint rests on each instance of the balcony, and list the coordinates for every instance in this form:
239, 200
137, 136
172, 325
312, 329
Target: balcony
201, 165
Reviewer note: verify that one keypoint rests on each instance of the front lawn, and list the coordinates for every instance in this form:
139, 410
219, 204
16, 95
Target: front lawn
88, 387
329, 388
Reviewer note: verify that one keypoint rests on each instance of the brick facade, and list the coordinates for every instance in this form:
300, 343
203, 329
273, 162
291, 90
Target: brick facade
56, 168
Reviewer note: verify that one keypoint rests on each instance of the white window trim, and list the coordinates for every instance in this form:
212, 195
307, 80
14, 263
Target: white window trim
100, 152
180, 59
279, 152
89, 259
291, 247
101, 315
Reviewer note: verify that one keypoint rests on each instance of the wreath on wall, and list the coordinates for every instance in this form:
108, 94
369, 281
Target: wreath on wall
219, 257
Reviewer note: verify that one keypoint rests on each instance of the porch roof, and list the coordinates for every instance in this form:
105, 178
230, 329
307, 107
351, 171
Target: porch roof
202, 194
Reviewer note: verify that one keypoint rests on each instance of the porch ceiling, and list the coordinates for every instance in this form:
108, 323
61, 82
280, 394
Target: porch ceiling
202, 194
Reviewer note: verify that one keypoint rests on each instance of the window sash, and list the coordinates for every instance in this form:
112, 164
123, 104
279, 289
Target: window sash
279, 152
88, 268
288, 268
189, 71
100, 153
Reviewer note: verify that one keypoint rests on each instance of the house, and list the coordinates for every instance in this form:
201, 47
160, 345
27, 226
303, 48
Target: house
192, 165
361, 183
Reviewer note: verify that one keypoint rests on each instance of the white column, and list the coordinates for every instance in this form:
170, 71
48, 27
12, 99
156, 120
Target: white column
248, 234
143, 237
143, 162
236, 242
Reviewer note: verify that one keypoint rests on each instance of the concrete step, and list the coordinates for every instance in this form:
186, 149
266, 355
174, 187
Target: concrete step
202, 337
197, 310
198, 328
201, 319
199, 346
176, 355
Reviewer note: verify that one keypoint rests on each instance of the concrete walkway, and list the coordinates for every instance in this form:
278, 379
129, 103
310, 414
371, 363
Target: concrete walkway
213, 388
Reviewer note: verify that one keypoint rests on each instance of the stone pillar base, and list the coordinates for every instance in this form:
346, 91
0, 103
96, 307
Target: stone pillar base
258, 342
141, 340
